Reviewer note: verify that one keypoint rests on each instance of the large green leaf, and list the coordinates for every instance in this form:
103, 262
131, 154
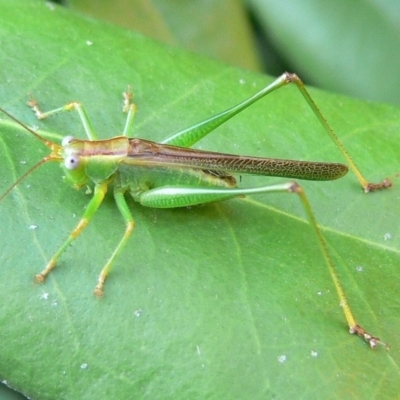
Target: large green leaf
220, 29
345, 46
230, 300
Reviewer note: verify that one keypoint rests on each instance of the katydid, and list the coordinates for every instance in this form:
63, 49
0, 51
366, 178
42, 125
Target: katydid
170, 174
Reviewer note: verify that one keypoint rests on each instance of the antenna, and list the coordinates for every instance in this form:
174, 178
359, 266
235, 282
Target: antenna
55, 154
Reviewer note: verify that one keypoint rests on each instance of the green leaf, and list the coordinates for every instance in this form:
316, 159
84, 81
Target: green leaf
228, 300
220, 29
345, 46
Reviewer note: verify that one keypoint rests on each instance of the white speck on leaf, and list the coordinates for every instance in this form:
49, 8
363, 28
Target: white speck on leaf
282, 358
44, 296
138, 312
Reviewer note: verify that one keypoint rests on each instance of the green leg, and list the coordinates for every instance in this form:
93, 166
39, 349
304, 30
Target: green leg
191, 135
130, 223
75, 105
130, 109
178, 196
99, 193
367, 186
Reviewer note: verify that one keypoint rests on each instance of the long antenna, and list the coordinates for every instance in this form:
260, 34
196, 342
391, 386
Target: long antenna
48, 143
53, 156
20, 179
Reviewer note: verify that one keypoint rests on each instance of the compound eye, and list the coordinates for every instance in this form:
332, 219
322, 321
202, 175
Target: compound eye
67, 140
71, 161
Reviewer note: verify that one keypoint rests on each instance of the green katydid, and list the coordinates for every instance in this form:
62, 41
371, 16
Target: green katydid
170, 174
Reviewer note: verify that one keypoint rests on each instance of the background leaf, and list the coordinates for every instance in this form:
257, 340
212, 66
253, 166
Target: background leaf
220, 301
342, 46
220, 29
345, 46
